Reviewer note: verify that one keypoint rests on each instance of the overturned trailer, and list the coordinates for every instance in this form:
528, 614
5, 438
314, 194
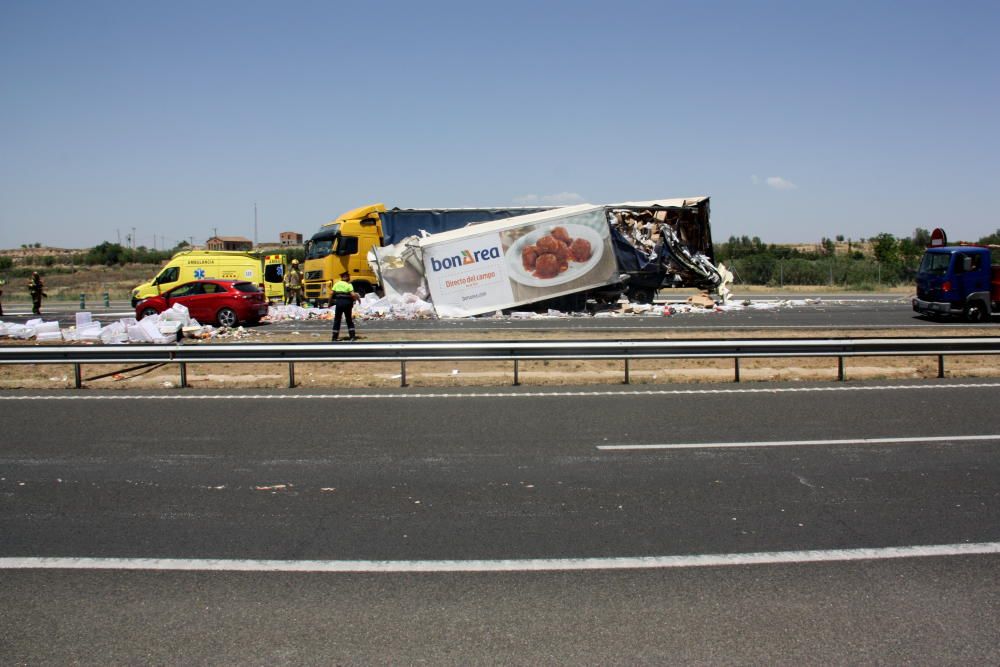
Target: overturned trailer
562, 256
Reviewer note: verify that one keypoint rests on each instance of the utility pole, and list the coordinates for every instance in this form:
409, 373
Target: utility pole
133, 238
255, 224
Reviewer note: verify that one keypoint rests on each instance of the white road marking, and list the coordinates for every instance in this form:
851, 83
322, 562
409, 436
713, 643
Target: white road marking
801, 443
504, 565
179, 396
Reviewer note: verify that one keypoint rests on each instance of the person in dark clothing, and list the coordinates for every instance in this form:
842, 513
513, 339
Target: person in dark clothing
37, 290
344, 297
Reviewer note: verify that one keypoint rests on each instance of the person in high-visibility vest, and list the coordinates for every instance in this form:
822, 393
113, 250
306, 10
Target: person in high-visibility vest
344, 297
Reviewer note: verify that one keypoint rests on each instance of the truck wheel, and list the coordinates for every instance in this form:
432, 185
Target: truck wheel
640, 295
975, 312
226, 317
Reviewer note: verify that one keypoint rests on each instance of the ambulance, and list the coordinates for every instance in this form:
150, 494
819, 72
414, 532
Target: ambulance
266, 271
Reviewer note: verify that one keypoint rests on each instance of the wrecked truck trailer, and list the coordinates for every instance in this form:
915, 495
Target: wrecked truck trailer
564, 256
664, 243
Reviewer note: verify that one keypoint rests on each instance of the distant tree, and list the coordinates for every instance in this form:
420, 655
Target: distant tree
992, 239
910, 252
886, 248
921, 237
840, 238
827, 246
107, 254
6, 262
37, 245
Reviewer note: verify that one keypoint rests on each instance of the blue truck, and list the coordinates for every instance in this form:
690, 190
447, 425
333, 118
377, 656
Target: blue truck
958, 281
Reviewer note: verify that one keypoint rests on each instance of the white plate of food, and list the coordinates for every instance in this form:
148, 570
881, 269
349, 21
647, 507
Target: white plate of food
554, 254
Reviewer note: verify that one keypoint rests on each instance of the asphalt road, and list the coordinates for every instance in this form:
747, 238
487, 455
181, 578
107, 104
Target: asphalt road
514, 526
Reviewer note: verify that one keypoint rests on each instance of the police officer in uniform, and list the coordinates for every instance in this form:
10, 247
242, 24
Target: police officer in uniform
293, 284
344, 297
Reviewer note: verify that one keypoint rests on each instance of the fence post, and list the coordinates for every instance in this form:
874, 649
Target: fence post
184, 375
77, 376
291, 375
517, 380
83, 301
736, 369
107, 300
840, 368
940, 365
402, 372
627, 378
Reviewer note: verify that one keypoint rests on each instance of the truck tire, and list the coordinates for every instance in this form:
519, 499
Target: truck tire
640, 294
975, 312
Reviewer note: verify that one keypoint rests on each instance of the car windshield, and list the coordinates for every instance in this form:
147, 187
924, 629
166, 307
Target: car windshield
935, 262
246, 287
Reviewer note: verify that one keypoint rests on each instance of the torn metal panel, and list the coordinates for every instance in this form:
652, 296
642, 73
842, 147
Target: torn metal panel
666, 243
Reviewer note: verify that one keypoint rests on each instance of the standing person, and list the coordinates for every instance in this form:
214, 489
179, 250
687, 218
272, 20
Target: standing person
37, 290
293, 284
344, 297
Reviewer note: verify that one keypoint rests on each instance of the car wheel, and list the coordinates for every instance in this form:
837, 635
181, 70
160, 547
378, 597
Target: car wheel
975, 312
226, 317
146, 312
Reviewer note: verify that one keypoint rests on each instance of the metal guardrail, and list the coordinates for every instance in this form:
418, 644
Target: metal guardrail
514, 351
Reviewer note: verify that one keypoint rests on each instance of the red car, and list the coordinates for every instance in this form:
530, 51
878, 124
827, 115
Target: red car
225, 302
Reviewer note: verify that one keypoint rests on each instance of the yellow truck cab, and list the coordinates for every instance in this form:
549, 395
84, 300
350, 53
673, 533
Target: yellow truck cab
343, 245
267, 271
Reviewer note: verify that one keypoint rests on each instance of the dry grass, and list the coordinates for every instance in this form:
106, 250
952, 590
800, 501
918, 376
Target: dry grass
93, 281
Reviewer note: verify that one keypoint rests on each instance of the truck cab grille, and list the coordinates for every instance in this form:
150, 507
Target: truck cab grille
314, 275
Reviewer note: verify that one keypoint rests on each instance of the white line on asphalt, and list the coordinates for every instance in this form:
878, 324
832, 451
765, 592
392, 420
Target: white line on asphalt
504, 565
800, 443
497, 394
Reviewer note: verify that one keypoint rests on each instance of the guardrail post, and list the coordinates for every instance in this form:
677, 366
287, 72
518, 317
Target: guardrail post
736, 369
627, 378
107, 300
940, 365
517, 381
184, 375
402, 373
291, 375
83, 301
840, 368
77, 376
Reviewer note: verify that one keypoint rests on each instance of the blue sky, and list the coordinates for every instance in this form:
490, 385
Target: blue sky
801, 120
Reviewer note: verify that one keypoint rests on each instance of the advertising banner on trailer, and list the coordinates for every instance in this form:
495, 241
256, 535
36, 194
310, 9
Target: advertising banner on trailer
520, 260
